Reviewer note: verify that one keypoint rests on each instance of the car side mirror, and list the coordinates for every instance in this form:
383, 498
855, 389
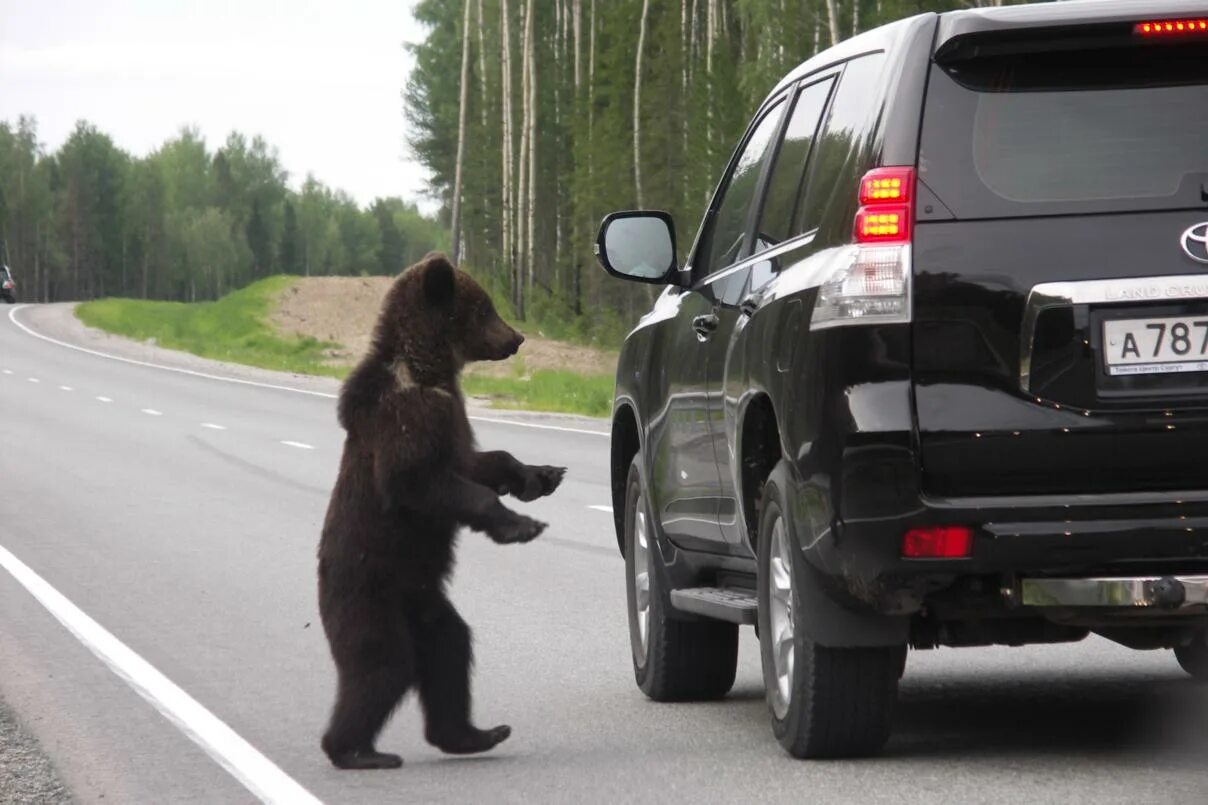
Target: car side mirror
638, 245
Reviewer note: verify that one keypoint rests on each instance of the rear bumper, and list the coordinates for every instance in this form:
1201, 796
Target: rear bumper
1029, 552
1158, 592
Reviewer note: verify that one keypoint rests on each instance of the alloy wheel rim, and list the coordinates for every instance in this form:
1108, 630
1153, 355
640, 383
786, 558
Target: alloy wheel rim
641, 578
781, 618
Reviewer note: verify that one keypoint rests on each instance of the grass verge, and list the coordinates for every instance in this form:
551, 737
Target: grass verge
546, 390
235, 328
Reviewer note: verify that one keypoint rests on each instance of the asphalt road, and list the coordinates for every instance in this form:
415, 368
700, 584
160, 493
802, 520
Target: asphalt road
194, 546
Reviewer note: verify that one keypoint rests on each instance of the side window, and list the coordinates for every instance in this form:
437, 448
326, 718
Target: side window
788, 169
844, 152
730, 220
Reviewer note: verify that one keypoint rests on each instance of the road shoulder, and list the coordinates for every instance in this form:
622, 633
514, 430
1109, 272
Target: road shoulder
58, 321
26, 773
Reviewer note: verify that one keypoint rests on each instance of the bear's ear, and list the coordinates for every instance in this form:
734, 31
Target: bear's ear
439, 281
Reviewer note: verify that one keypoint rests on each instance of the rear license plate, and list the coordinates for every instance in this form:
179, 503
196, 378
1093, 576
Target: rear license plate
1155, 346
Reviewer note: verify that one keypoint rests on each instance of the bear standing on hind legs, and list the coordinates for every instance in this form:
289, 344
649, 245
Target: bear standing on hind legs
409, 478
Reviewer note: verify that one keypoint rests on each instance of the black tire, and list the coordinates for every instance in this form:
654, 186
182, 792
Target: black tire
835, 702
1194, 657
680, 660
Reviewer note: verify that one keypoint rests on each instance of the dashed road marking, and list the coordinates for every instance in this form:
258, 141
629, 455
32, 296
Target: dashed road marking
105, 399
605, 509
34, 380
66, 388
8, 371
212, 426
152, 412
302, 445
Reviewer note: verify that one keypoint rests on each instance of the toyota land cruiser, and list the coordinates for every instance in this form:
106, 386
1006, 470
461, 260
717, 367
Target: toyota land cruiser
935, 369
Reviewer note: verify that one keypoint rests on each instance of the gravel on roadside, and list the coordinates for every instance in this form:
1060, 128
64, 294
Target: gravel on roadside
26, 774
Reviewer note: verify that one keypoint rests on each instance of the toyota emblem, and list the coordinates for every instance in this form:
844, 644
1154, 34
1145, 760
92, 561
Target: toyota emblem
1195, 242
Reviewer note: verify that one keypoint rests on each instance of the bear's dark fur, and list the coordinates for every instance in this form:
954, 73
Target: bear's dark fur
409, 477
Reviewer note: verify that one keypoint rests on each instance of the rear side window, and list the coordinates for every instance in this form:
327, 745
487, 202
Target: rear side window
785, 182
1061, 133
844, 152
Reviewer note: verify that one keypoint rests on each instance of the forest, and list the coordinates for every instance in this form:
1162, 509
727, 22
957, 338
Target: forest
533, 117
537, 117
184, 223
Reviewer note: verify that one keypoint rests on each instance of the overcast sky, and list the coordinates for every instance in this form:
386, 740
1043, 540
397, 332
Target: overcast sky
319, 79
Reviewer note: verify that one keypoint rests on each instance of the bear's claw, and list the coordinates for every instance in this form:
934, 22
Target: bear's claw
472, 741
540, 481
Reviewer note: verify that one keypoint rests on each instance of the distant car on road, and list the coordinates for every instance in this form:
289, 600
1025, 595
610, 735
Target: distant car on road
8, 287
935, 369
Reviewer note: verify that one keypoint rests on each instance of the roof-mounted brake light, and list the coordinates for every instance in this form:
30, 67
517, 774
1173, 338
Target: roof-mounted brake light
1171, 28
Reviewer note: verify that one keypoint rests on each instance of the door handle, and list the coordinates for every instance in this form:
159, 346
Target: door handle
750, 303
705, 325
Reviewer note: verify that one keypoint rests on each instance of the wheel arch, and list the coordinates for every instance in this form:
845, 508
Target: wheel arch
626, 443
759, 449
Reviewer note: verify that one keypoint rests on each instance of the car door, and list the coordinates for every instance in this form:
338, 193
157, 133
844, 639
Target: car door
684, 463
774, 237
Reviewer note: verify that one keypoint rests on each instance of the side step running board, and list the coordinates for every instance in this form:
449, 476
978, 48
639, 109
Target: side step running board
723, 603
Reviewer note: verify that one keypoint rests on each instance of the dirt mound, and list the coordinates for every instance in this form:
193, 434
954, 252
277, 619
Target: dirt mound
342, 310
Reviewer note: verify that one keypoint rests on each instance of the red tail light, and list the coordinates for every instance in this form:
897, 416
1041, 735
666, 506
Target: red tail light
938, 542
885, 210
1168, 28
887, 186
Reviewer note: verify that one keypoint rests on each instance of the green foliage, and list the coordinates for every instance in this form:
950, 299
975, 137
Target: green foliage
706, 66
234, 328
565, 392
182, 223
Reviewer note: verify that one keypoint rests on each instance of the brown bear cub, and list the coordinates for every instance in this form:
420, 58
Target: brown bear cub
409, 478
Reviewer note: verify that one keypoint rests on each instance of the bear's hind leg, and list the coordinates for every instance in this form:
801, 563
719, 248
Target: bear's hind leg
443, 659
373, 678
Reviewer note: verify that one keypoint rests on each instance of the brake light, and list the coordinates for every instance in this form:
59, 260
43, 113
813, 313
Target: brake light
872, 284
887, 186
877, 224
1166, 28
938, 542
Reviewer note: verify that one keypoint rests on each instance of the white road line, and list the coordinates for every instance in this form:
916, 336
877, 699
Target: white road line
607, 509
255, 771
8, 371
105, 399
66, 388
541, 427
212, 426
303, 445
34, 380
152, 412
13, 318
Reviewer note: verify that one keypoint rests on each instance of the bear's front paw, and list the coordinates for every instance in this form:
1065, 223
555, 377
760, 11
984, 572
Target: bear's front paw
540, 481
520, 529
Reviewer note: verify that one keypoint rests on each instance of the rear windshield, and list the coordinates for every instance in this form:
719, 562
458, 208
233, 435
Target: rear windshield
1065, 133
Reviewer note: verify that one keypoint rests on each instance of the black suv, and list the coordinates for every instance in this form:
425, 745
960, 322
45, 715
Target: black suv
935, 369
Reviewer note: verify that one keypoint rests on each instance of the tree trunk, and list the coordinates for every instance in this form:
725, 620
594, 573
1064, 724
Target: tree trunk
461, 131
146, 257
532, 144
637, 105
509, 260
522, 178
833, 17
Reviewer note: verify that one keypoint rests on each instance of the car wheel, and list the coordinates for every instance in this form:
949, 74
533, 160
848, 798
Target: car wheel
824, 702
1194, 657
673, 660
